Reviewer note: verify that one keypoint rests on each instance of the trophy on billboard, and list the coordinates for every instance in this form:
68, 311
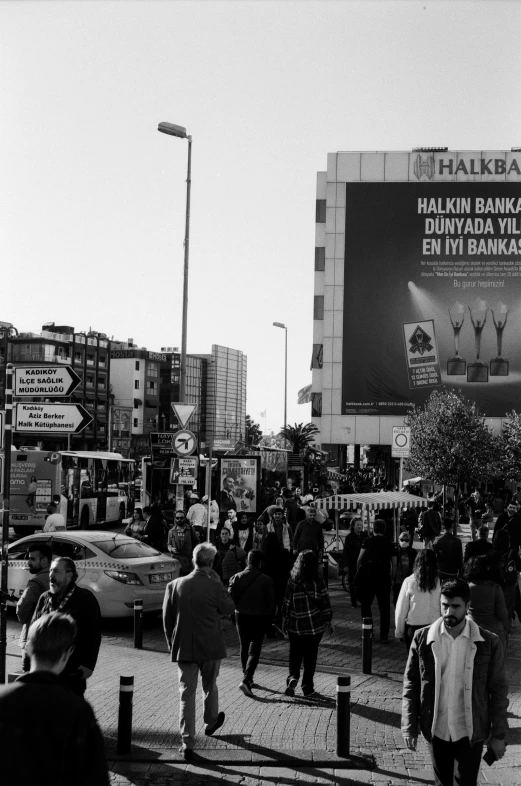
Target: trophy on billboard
456, 366
478, 371
499, 366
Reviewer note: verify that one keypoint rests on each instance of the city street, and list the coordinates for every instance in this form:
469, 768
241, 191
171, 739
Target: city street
271, 738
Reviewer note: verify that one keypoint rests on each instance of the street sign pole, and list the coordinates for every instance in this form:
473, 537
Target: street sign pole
400, 483
7, 441
209, 490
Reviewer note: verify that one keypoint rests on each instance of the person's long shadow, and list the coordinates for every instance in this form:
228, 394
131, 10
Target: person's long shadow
318, 700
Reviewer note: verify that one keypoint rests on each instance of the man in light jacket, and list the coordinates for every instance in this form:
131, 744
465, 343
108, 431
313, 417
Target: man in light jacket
192, 611
455, 690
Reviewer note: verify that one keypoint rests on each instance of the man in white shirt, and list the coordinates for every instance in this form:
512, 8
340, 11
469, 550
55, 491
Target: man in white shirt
456, 691
197, 515
54, 520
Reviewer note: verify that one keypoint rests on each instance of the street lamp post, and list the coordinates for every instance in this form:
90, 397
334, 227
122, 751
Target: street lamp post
280, 325
180, 131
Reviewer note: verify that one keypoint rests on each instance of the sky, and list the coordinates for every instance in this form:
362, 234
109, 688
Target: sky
92, 197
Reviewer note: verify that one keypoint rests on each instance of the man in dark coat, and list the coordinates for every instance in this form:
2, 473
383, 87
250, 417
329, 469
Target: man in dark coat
511, 522
39, 561
65, 596
449, 551
49, 734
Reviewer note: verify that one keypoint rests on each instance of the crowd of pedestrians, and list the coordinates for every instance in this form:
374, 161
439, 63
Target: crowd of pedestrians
264, 572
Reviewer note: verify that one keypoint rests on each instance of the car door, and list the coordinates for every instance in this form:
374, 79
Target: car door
75, 550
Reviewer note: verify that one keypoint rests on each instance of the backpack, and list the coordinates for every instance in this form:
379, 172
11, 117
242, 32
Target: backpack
507, 570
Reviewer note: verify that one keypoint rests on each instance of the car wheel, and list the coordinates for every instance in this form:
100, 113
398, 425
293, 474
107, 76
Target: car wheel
84, 520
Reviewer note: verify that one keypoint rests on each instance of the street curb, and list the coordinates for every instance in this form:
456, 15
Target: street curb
302, 758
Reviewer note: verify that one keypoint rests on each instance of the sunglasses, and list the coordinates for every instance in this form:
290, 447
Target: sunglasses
404, 540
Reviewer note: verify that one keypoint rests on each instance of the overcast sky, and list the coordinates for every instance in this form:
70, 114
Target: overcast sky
93, 197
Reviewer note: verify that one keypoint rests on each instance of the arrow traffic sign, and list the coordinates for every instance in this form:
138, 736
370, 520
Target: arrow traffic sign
185, 442
58, 418
183, 412
52, 381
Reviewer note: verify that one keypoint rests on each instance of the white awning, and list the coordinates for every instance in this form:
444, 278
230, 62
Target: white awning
371, 501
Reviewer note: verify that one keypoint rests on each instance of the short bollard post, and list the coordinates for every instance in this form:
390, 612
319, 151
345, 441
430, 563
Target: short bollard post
367, 644
343, 716
325, 570
126, 697
138, 629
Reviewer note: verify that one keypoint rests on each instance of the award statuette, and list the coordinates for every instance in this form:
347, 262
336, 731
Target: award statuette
478, 371
499, 366
456, 366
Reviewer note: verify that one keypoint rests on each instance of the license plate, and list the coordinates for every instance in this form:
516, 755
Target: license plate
160, 578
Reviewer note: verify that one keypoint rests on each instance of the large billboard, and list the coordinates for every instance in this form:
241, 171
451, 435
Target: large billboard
432, 294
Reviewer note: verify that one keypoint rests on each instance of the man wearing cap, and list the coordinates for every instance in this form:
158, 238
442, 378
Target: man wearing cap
476, 508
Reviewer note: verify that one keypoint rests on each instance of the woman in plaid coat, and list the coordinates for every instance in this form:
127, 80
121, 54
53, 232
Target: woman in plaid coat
306, 613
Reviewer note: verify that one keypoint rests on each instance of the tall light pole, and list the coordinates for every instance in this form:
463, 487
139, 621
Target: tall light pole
179, 131
280, 325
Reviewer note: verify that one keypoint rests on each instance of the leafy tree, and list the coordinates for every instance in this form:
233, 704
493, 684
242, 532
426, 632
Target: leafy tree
300, 435
450, 443
253, 432
511, 447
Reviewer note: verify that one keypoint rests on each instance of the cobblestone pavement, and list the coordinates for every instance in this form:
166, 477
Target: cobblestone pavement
273, 739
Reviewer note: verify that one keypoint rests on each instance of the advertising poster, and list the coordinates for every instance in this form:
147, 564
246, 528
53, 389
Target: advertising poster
442, 258
239, 484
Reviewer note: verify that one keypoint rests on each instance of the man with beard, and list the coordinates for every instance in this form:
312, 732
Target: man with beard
38, 561
455, 690
65, 596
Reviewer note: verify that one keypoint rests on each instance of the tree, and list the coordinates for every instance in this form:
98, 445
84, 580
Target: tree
450, 443
300, 436
511, 447
253, 432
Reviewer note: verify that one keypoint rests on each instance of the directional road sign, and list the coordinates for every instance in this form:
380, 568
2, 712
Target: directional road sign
58, 418
185, 442
48, 381
183, 412
401, 446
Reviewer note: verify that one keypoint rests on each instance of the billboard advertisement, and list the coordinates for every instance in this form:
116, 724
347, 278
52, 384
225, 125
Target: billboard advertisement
432, 295
239, 484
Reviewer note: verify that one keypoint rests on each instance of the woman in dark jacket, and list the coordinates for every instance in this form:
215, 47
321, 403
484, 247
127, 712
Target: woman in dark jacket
276, 563
487, 602
352, 545
405, 557
501, 558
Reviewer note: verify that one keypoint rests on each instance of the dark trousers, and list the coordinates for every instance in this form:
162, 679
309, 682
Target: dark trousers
382, 593
455, 762
251, 629
303, 649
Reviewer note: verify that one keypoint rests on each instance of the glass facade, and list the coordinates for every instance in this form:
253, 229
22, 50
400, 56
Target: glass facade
226, 403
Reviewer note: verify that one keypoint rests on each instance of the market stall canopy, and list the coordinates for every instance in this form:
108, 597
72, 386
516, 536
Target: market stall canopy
371, 501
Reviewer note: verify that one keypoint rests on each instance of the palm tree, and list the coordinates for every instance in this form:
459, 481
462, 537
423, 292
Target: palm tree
300, 436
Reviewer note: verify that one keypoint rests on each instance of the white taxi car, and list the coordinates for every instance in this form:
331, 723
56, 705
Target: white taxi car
115, 568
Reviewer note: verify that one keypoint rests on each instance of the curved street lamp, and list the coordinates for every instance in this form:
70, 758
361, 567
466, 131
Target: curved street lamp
179, 131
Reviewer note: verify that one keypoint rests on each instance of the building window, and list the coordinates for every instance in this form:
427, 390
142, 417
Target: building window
137, 365
135, 422
151, 388
316, 405
136, 382
318, 352
152, 369
318, 307
320, 258
321, 211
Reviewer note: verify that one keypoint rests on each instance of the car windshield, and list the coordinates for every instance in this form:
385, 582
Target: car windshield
125, 548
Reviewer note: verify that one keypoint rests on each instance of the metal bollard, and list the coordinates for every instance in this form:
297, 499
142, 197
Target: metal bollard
325, 570
367, 644
138, 629
343, 716
126, 697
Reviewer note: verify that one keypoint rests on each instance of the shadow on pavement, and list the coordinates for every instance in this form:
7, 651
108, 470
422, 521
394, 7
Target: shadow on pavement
387, 717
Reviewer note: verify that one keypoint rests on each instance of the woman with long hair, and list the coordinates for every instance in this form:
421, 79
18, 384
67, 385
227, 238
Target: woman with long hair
306, 614
418, 603
353, 543
487, 602
244, 532
135, 527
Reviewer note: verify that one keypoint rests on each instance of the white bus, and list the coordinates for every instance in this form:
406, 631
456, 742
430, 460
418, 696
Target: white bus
89, 488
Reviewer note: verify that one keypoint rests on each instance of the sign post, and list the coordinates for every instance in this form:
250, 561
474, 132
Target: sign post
401, 448
6, 443
58, 418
